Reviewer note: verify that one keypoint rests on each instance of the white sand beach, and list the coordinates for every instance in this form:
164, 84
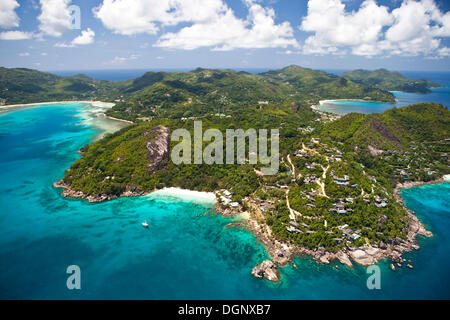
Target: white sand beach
321, 102
96, 103
93, 103
94, 114
186, 195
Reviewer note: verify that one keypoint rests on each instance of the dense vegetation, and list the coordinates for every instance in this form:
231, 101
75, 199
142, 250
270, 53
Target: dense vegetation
390, 81
410, 139
119, 162
337, 175
237, 94
411, 145
30, 86
186, 94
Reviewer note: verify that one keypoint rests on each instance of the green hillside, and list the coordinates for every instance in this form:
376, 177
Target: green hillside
120, 162
374, 151
389, 81
412, 138
30, 86
315, 84
203, 91
396, 130
187, 94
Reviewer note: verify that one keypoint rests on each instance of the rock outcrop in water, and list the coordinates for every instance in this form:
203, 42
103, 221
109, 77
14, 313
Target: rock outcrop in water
267, 270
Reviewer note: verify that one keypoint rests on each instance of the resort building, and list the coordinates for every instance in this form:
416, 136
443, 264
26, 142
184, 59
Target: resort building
341, 181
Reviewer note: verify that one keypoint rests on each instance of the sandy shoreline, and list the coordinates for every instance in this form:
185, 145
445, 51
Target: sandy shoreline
185, 194
408, 185
182, 194
117, 119
316, 107
353, 100
283, 253
101, 105
52, 102
98, 104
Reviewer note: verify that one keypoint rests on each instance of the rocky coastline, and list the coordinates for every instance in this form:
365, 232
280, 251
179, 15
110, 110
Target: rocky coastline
92, 102
68, 192
283, 253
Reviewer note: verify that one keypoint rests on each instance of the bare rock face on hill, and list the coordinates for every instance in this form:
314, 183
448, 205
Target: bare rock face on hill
384, 131
158, 148
374, 152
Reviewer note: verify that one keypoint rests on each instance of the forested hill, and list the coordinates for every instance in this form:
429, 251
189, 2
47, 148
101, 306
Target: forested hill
380, 141
390, 81
230, 93
29, 86
186, 94
393, 129
412, 139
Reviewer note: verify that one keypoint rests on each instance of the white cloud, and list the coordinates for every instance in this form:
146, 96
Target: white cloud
444, 52
227, 32
129, 17
213, 23
24, 54
63, 45
334, 27
15, 35
8, 16
119, 60
412, 29
86, 37
415, 29
55, 17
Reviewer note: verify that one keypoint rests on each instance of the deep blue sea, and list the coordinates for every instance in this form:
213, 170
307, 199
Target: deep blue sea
185, 254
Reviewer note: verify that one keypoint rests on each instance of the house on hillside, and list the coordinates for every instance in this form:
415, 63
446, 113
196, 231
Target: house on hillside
341, 181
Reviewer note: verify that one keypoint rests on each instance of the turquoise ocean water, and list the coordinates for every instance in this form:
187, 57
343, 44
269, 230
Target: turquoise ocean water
437, 95
185, 254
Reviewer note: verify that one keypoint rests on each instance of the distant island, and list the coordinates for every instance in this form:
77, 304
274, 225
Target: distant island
390, 81
32, 86
335, 196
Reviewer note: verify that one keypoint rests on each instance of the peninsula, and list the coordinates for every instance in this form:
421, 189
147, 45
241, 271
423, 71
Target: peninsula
335, 196
390, 81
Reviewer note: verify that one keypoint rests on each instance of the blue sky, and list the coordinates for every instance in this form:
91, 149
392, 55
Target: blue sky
153, 34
